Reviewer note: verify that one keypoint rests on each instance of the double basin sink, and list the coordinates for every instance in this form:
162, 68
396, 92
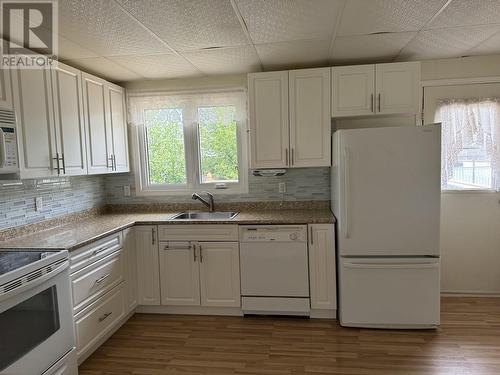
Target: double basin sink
217, 215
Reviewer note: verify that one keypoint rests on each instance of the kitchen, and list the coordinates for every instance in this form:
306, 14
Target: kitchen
254, 186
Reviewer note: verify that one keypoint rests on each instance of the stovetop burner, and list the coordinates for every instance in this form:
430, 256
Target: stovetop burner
12, 260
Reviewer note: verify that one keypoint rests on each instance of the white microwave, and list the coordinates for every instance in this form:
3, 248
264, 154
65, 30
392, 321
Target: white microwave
9, 162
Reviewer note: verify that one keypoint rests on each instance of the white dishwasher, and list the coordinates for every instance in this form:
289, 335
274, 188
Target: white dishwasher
274, 269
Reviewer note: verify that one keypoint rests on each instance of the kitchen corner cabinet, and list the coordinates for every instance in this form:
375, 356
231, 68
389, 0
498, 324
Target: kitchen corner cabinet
5, 89
290, 118
148, 277
130, 268
380, 89
322, 266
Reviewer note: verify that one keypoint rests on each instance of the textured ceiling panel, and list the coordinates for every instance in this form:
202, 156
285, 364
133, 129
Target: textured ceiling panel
69, 50
468, 13
283, 20
369, 48
294, 55
489, 47
189, 24
441, 43
158, 66
102, 26
104, 68
373, 16
226, 60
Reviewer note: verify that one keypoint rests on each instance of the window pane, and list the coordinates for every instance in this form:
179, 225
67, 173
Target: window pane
218, 144
165, 142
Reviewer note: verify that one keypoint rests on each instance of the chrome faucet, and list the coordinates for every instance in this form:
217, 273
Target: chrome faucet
209, 202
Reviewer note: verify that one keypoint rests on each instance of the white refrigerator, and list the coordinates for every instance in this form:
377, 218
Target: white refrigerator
386, 199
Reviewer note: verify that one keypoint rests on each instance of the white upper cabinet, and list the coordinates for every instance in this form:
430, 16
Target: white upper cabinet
382, 89
310, 122
69, 122
118, 142
5, 90
398, 87
290, 118
268, 102
353, 90
35, 122
99, 153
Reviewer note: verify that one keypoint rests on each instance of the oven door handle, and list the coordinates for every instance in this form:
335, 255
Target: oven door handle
34, 283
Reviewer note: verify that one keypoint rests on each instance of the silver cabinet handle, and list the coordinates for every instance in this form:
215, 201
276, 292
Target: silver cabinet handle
113, 162
312, 237
58, 167
104, 316
379, 102
194, 253
292, 157
63, 163
153, 239
201, 253
110, 158
167, 247
286, 156
372, 105
99, 250
101, 279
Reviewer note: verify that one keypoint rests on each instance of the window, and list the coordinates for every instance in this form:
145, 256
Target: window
190, 142
470, 143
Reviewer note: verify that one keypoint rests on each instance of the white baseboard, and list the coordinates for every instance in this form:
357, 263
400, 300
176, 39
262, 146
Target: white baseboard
190, 310
470, 293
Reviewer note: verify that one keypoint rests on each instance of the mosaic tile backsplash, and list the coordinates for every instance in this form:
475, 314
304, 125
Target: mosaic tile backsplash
62, 196
302, 184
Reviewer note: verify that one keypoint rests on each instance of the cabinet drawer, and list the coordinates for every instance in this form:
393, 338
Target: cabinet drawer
92, 282
198, 232
98, 319
93, 252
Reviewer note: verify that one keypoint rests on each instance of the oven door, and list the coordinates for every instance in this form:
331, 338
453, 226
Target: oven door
36, 323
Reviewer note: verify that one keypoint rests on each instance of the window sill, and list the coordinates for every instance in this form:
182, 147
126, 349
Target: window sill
470, 191
188, 192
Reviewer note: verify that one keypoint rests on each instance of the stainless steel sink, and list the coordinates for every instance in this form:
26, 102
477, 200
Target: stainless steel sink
218, 215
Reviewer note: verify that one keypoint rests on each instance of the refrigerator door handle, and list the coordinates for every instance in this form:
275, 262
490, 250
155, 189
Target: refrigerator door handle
346, 228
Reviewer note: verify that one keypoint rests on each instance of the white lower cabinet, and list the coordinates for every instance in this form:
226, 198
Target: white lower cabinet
148, 271
322, 267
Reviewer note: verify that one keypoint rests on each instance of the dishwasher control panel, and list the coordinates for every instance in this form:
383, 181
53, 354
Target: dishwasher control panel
277, 233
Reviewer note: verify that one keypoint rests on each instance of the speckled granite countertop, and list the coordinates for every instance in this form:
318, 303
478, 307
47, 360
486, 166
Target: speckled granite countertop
86, 230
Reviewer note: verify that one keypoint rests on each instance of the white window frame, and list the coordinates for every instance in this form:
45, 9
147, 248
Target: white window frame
191, 144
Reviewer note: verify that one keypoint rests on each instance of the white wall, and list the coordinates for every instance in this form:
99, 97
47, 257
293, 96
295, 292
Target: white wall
470, 222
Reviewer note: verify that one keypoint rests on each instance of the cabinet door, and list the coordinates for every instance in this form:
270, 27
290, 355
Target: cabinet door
310, 120
398, 87
322, 266
69, 122
5, 89
179, 274
98, 129
130, 257
269, 135
220, 274
35, 122
353, 90
148, 272
118, 142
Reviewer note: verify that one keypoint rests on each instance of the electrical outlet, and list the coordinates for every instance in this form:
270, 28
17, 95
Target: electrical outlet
126, 190
38, 204
282, 187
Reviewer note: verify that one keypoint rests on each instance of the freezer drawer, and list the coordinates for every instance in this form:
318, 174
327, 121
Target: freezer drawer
389, 292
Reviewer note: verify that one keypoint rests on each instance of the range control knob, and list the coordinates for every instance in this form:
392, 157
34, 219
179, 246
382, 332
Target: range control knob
294, 236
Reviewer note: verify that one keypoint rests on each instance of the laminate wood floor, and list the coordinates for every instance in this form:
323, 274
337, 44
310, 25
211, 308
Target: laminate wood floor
468, 342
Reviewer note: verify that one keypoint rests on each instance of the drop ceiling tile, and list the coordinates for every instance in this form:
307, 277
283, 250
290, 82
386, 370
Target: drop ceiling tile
102, 26
373, 16
189, 24
233, 60
468, 13
157, 66
294, 55
285, 20
69, 50
443, 43
489, 47
104, 68
378, 48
